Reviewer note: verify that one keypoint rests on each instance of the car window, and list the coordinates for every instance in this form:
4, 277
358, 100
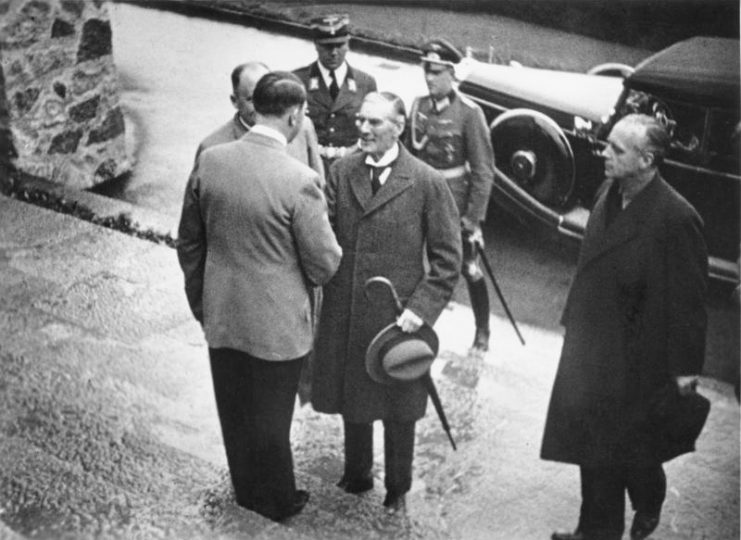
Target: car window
723, 141
723, 133
685, 122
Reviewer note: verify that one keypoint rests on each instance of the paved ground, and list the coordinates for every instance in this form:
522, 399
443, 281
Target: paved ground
109, 428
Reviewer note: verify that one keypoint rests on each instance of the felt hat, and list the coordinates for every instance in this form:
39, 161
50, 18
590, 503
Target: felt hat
333, 28
396, 356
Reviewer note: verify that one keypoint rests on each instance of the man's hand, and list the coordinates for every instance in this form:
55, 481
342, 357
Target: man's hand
476, 237
408, 321
686, 384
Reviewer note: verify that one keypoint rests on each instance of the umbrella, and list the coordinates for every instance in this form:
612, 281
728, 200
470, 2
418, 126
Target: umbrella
376, 281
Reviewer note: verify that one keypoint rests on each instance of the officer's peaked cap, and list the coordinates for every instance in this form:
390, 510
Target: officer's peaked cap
440, 51
333, 28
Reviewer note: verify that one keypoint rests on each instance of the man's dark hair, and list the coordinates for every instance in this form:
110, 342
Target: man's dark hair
276, 92
237, 71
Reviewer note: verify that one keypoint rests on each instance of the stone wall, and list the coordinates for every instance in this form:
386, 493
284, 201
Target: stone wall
59, 109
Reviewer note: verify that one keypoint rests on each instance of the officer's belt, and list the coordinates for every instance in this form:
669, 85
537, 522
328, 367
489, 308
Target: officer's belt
335, 152
454, 172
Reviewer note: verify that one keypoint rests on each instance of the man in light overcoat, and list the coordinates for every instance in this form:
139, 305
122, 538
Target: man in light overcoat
304, 146
635, 323
411, 216
254, 238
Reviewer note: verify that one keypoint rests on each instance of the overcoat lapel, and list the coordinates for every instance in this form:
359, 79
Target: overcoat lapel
398, 181
360, 185
602, 239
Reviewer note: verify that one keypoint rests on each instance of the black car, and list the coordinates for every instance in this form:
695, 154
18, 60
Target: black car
548, 129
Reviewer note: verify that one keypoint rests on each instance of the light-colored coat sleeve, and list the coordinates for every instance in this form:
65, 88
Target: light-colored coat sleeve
191, 245
312, 147
317, 247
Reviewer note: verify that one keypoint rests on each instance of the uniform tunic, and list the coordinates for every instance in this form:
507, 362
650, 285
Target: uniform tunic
455, 140
334, 121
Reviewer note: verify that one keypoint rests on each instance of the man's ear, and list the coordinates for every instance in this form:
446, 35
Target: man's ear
292, 116
649, 159
233, 99
400, 123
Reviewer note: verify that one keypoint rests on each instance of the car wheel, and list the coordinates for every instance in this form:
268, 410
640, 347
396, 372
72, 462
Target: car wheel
532, 151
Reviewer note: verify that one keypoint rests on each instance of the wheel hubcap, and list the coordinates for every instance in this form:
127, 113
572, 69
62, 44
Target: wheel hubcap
523, 165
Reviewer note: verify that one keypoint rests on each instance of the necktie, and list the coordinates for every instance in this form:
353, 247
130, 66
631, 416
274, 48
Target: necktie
613, 204
376, 173
334, 88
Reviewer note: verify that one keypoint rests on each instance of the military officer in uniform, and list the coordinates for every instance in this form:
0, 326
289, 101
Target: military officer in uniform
335, 90
448, 131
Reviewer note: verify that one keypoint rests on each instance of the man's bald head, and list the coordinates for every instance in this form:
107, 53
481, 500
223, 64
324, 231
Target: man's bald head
244, 79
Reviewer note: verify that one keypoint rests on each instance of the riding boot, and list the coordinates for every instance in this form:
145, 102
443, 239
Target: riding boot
480, 305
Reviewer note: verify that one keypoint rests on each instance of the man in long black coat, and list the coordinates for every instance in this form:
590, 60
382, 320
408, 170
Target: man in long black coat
635, 329
407, 231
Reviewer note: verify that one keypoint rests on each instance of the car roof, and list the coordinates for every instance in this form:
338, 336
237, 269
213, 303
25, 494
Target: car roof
699, 69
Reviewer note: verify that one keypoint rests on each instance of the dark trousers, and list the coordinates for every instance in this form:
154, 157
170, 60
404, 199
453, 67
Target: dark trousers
602, 515
255, 400
398, 444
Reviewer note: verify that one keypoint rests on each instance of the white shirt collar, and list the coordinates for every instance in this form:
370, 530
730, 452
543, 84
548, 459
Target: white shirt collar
441, 104
245, 125
267, 131
340, 73
386, 160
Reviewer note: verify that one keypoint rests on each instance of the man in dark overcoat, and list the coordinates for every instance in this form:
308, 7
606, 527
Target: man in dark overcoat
635, 329
411, 217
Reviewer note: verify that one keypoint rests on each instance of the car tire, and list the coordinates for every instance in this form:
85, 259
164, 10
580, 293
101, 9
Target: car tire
532, 151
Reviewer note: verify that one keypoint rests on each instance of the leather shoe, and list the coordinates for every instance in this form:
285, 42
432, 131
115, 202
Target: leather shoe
300, 499
643, 525
395, 503
576, 535
356, 485
481, 340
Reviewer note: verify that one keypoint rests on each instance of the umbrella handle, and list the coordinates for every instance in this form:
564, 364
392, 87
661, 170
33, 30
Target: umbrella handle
384, 281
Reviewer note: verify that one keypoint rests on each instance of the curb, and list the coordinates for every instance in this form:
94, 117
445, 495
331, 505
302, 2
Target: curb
97, 209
